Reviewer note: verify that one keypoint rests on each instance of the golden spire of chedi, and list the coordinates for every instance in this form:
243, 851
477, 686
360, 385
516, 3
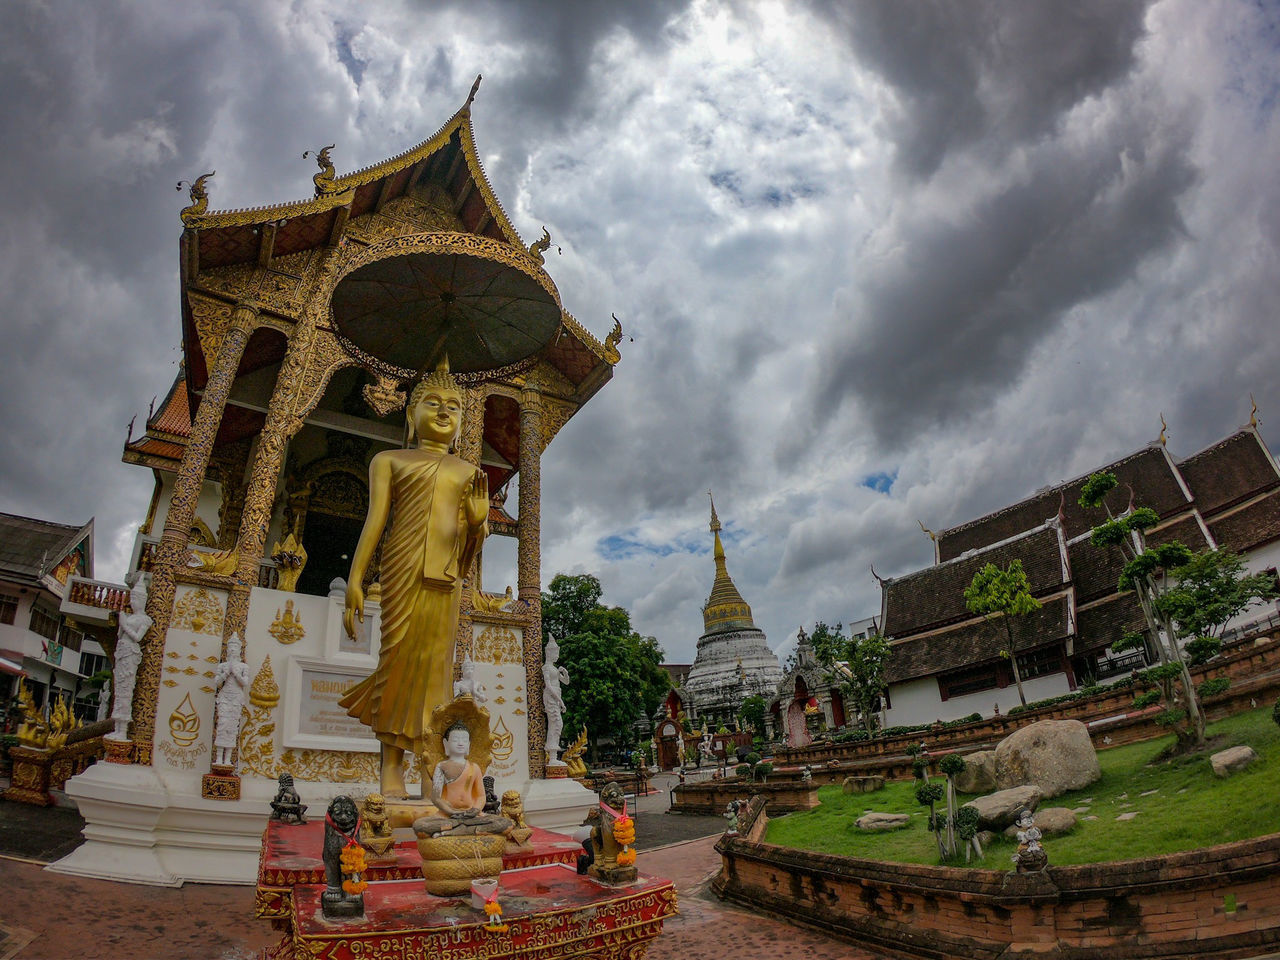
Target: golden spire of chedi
725, 609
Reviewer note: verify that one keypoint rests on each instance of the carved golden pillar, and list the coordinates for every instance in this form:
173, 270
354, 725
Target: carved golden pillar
470, 448
529, 569
171, 551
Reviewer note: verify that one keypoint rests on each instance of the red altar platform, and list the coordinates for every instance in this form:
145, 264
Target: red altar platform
291, 857
547, 909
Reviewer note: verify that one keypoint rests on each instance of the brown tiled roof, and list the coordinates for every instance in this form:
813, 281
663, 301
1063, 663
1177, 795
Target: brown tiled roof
935, 595
1250, 526
1099, 627
29, 548
1228, 472
1186, 531
1147, 471
174, 416
1094, 570
974, 642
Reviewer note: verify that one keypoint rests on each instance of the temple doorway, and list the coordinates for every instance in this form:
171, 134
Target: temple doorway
329, 541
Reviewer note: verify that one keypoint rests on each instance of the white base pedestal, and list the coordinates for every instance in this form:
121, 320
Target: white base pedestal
142, 828
559, 805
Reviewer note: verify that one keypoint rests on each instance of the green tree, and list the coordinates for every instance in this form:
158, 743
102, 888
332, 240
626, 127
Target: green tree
1182, 595
751, 714
857, 664
994, 592
616, 675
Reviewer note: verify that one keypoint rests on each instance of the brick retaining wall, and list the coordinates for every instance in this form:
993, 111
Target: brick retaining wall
713, 796
1159, 907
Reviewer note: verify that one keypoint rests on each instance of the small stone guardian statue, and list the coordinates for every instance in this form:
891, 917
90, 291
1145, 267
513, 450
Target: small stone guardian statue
552, 701
133, 628
375, 828
287, 807
1030, 857
231, 679
344, 865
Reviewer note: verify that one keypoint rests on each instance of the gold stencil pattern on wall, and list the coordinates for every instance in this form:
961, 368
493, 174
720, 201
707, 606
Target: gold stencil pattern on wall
286, 627
184, 723
496, 645
503, 741
198, 611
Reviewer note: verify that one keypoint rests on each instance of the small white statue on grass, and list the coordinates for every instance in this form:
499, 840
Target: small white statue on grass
231, 679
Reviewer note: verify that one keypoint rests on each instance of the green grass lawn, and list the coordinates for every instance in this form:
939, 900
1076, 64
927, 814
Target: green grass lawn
1190, 807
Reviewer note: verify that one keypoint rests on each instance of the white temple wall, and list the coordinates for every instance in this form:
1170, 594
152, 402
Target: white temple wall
919, 701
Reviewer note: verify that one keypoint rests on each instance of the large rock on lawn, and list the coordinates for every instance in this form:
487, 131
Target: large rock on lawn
997, 810
1055, 755
863, 784
1233, 760
883, 821
979, 774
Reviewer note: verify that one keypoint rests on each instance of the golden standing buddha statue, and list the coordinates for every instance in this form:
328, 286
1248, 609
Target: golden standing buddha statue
441, 511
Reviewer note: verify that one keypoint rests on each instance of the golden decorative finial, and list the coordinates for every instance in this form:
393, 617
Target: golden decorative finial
474, 87
1164, 437
1253, 414
613, 339
927, 532
199, 194
715, 521
879, 579
383, 395
324, 180
541, 245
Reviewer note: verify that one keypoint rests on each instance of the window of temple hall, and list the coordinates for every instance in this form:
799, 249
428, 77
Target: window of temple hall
44, 623
91, 663
1039, 663
71, 638
973, 680
8, 608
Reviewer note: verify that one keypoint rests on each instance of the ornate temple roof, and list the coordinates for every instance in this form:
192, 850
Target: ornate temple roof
31, 549
725, 609
167, 430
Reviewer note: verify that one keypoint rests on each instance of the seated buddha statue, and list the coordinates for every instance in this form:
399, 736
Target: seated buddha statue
457, 790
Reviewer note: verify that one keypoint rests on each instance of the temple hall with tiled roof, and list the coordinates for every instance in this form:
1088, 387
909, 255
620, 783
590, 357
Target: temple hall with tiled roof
946, 662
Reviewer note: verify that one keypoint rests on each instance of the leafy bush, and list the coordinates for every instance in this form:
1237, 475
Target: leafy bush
1170, 718
751, 758
974, 717
952, 764
1148, 699
763, 770
927, 793
1213, 686
1202, 650
742, 770
966, 823
1275, 712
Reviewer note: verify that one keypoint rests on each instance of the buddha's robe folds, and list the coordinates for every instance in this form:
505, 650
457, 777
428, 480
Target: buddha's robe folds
427, 552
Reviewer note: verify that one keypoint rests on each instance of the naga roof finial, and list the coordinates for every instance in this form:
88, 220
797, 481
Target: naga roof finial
324, 180
1164, 436
541, 245
879, 579
613, 339
199, 194
927, 532
472, 95
1253, 414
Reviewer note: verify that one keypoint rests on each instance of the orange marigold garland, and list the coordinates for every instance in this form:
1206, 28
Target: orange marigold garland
493, 910
624, 832
351, 860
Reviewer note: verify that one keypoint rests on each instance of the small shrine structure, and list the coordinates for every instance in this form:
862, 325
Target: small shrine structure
304, 325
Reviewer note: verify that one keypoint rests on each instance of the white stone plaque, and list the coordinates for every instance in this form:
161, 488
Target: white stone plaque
313, 718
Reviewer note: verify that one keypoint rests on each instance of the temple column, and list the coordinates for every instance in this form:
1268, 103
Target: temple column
470, 448
529, 570
177, 525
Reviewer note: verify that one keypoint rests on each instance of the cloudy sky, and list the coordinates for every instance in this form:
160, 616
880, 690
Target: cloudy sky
882, 261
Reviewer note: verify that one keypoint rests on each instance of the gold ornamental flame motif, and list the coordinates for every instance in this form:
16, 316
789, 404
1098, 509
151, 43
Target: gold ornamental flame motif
503, 741
184, 723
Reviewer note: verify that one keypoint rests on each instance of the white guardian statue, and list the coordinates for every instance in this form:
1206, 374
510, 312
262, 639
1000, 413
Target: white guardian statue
231, 679
133, 628
553, 675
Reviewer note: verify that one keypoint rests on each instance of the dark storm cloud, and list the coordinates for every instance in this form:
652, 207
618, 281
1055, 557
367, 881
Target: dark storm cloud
992, 71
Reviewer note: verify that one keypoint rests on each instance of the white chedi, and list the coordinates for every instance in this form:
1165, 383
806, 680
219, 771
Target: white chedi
553, 675
133, 628
231, 679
